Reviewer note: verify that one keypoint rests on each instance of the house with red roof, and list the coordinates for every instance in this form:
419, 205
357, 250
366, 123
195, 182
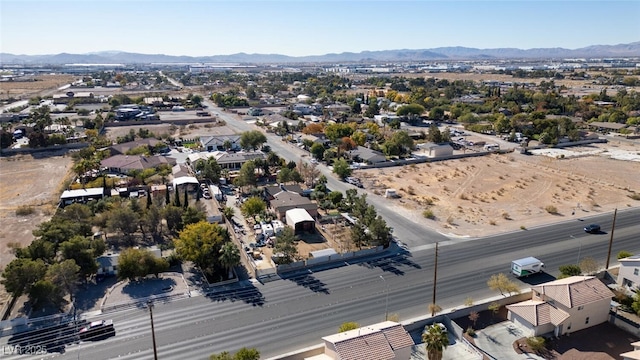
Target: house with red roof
387, 340
563, 306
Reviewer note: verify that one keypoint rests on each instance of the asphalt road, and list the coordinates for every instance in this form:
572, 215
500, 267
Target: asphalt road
293, 313
411, 233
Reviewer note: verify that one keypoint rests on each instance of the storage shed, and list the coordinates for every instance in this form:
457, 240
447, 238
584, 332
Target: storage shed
300, 220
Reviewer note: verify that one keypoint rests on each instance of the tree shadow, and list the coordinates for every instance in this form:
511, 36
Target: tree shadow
91, 293
248, 294
148, 287
310, 282
392, 264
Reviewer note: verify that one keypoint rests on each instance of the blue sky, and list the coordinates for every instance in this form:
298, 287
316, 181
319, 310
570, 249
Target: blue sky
308, 27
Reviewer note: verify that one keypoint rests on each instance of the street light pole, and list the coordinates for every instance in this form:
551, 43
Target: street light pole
153, 333
386, 301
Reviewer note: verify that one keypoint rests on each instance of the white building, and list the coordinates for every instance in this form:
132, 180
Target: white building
629, 275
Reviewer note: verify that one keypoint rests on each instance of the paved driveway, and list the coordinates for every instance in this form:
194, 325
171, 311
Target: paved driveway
497, 341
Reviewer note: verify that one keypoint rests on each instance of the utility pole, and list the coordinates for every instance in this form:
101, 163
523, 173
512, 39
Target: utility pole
435, 278
613, 226
153, 333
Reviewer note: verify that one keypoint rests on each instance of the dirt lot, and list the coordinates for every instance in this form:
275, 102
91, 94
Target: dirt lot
31, 182
26, 89
499, 193
192, 131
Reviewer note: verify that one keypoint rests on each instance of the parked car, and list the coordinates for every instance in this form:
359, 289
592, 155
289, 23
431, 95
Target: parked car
592, 228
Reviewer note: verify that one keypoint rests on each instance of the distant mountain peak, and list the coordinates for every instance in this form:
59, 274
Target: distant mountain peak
441, 53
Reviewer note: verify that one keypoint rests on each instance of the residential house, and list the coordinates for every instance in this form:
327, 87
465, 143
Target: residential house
563, 306
303, 109
632, 355
433, 150
282, 198
219, 143
125, 164
629, 273
229, 161
234, 161
387, 340
180, 170
122, 149
363, 154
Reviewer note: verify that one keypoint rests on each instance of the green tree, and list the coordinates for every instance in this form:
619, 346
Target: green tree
434, 135
247, 175
136, 263
123, 220
285, 175
84, 252
569, 270
38, 249
636, 302
335, 197
65, 275
410, 109
201, 243
317, 150
624, 254
21, 274
346, 326
229, 257
221, 356
252, 140
228, 212
373, 108
173, 217
247, 354
43, 292
380, 232
253, 206
435, 339
341, 168
338, 131
502, 283
400, 143
359, 235
286, 245
436, 113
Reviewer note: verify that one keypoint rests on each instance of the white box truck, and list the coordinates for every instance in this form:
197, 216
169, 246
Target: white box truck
526, 266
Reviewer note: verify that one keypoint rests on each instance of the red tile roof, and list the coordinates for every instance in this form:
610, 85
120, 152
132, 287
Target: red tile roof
574, 291
375, 342
538, 313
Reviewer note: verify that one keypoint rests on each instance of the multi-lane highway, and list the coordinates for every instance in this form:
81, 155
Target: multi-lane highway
293, 313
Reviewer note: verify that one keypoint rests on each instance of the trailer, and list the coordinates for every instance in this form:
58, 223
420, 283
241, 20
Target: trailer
526, 266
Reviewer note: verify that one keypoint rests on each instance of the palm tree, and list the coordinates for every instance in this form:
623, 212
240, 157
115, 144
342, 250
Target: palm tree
228, 212
435, 339
229, 257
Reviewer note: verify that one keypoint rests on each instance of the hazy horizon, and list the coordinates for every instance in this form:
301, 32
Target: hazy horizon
306, 28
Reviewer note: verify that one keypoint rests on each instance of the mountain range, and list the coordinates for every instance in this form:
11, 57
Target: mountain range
434, 54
